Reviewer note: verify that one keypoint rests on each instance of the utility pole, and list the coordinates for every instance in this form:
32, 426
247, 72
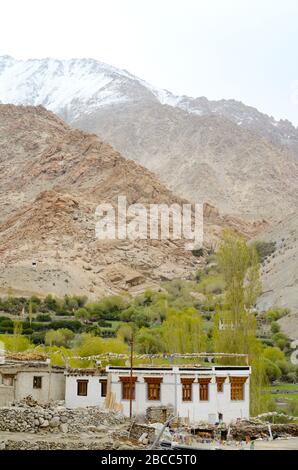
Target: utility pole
131, 378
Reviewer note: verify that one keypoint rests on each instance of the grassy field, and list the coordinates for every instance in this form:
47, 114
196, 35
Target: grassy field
285, 386
285, 391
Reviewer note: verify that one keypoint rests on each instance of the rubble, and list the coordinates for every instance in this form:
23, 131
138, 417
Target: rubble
28, 416
243, 430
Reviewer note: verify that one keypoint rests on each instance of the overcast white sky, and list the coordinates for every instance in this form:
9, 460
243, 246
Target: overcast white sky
242, 49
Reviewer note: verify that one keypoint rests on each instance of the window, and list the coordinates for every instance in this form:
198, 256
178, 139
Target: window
220, 383
153, 387
204, 388
104, 385
237, 387
82, 388
187, 389
7, 379
126, 387
37, 382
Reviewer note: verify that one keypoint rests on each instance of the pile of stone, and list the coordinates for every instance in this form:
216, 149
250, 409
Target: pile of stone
26, 416
243, 429
159, 414
12, 444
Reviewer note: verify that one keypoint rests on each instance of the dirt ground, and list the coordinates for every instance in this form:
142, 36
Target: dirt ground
277, 444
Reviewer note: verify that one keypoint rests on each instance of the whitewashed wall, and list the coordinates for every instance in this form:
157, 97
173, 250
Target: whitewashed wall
93, 398
170, 394
53, 386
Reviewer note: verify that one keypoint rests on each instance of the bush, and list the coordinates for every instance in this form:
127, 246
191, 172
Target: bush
72, 325
276, 313
280, 340
274, 354
82, 314
60, 337
264, 249
38, 337
275, 328
43, 317
273, 372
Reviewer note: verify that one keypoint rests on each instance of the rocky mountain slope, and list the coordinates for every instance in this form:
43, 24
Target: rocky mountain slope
228, 154
52, 177
280, 272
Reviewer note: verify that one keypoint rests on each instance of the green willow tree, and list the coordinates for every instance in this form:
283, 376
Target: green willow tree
183, 332
235, 324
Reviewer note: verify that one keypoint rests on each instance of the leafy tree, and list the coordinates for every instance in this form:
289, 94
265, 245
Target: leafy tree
183, 332
235, 327
54, 337
149, 341
234, 260
273, 354
82, 314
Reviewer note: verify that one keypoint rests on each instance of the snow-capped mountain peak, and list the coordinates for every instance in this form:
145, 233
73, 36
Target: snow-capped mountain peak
76, 87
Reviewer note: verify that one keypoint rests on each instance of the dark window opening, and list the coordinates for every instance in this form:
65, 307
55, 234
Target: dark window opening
37, 382
104, 386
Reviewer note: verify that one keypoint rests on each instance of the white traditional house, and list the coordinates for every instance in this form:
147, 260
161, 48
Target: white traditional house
206, 393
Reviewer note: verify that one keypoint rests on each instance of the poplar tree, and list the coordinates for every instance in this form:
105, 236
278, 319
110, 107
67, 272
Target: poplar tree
235, 324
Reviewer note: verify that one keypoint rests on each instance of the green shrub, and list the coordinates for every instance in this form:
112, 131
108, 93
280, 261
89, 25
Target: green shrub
264, 249
43, 317
73, 325
38, 337
275, 328
273, 372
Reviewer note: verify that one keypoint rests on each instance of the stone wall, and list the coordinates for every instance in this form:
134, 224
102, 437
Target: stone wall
38, 419
6, 395
158, 414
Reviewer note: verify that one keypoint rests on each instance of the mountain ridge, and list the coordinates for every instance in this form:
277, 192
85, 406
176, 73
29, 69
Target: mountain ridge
237, 167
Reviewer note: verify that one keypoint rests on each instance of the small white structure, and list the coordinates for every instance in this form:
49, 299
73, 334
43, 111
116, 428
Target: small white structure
37, 379
207, 393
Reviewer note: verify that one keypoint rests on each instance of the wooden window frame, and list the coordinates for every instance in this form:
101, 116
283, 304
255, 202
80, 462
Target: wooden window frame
126, 387
204, 388
84, 392
103, 387
220, 381
187, 389
237, 388
37, 382
153, 388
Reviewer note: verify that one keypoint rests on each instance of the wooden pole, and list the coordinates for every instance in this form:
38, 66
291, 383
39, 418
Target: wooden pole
131, 381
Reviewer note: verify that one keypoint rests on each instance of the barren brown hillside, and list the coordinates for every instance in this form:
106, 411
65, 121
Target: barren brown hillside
52, 179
